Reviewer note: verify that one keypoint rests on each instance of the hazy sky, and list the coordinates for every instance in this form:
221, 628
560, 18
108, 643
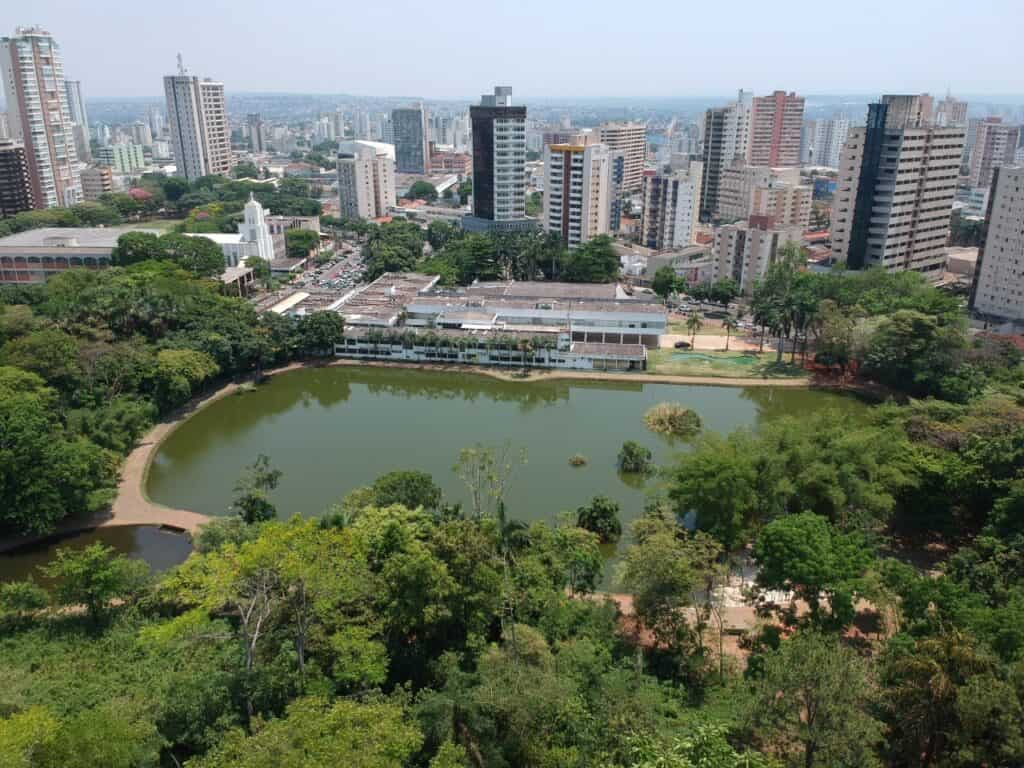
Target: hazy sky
459, 49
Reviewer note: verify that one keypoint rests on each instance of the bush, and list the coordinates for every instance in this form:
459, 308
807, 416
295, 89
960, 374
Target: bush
601, 516
635, 458
672, 419
577, 460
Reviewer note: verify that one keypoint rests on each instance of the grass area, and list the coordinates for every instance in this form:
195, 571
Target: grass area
164, 225
672, 362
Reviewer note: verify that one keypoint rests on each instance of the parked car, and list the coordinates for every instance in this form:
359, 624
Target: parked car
682, 345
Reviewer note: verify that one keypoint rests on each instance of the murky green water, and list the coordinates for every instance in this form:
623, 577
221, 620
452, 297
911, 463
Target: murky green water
333, 429
161, 549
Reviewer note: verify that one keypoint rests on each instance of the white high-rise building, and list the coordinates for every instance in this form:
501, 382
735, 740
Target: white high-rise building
897, 181
499, 164
39, 116
671, 207
829, 137
726, 141
998, 289
577, 186
200, 135
995, 145
366, 179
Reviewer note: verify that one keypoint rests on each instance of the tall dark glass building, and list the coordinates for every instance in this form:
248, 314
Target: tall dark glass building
409, 127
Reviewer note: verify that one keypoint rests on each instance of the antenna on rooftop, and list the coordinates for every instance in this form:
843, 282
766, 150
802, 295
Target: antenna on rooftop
181, 66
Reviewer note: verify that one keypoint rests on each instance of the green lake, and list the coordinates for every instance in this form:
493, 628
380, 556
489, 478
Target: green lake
333, 429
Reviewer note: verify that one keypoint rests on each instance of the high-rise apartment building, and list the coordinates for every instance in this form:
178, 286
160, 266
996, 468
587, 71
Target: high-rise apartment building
829, 137
743, 251
39, 116
141, 134
15, 183
156, 122
737, 185
775, 124
97, 181
366, 179
631, 140
671, 208
200, 135
726, 141
409, 128
617, 160
998, 288
257, 138
79, 118
499, 164
577, 187
897, 181
995, 145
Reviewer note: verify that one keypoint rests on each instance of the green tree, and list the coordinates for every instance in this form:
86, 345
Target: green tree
299, 242
439, 232
693, 325
600, 516
19, 599
178, 375
423, 190
730, 323
317, 733
48, 352
133, 247
805, 555
245, 170
665, 281
635, 458
260, 271
410, 488
811, 704
318, 332
94, 577
252, 490
595, 261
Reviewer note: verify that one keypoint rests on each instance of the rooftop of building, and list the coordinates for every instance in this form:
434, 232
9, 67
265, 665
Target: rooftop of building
386, 297
462, 302
70, 237
220, 238
536, 289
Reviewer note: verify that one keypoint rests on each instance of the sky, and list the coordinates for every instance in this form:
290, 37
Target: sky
458, 49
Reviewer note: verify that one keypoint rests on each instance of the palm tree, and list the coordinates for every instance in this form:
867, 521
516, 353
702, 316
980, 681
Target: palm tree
693, 324
730, 324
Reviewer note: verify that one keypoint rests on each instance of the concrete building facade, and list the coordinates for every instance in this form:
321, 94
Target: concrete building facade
97, 181
998, 289
79, 119
671, 208
897, 183
775, 125
39, 116
577, 184
631, 140
15, 183
366, 179
737, 185
123, 158
200, 134
743, 251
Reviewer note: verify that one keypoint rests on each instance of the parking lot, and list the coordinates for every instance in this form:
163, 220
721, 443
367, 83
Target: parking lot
340, 273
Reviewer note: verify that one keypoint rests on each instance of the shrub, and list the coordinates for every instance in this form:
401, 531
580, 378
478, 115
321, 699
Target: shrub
577, 460
672, 419
635, 458
601, 516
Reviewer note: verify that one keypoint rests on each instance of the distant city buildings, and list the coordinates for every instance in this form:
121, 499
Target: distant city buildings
897, 182
821, 141
775, 124
39, 116
123, 158
998, 289
671, 207
409, 128
257, 139
577, 184
499, 164
950, 111
141, 134
200, 134
631, 140
366, 179
16, 194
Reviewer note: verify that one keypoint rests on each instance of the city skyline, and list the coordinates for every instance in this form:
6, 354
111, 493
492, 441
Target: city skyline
825, 54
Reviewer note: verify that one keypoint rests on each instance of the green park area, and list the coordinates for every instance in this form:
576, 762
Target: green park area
733, 365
